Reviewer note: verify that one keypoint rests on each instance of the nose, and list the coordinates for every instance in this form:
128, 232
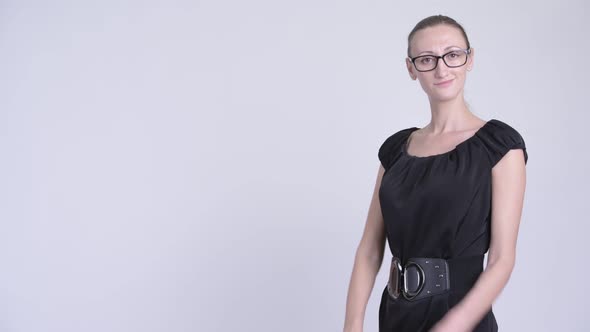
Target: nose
441, 68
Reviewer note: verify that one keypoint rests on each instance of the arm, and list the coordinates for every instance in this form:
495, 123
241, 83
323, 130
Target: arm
508, 186
367, 262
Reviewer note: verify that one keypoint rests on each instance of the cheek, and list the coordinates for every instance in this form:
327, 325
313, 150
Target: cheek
427, 82
461, 80
461, 74
424, 83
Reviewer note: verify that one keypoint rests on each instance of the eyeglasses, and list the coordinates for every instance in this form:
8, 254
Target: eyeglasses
453, 59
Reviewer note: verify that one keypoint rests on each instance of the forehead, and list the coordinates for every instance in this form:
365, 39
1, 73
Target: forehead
436, 39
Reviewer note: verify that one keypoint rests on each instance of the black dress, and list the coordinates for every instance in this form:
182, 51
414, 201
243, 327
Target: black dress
440, 206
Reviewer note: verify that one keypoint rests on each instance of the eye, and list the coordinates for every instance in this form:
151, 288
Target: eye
425, 60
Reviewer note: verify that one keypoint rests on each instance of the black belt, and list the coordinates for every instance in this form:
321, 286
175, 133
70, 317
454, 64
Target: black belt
423, 277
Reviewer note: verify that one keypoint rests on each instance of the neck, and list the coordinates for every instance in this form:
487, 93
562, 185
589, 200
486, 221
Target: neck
450, 115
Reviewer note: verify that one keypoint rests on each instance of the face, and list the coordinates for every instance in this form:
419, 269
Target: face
439, 40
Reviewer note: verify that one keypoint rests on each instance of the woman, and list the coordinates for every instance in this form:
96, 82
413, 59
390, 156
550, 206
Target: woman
444, 195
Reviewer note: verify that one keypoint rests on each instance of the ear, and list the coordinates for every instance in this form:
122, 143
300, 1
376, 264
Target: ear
471, 59
410, 68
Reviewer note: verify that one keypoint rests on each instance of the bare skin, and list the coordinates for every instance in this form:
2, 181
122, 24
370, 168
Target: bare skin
451, 123
368, 260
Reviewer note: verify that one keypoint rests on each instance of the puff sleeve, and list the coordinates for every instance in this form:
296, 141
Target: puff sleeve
390, 148
384, 153
499, 138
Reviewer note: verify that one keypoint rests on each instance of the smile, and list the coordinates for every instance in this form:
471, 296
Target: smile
445, 83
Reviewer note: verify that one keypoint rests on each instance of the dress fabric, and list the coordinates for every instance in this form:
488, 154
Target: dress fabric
440, 206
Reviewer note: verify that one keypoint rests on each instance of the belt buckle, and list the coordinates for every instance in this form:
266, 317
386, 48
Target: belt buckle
395, 270
414, 272
400, 277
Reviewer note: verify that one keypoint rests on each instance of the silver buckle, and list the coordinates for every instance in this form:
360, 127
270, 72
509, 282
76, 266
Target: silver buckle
393, 285
399, 275
408, 294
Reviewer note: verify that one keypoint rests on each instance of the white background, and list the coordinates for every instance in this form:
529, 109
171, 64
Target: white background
208, 165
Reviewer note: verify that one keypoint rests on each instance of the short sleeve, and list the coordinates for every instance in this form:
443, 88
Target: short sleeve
390, 148
385, 152
499, 138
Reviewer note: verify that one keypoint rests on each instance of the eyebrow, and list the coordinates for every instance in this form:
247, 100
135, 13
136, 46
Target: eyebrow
434, 53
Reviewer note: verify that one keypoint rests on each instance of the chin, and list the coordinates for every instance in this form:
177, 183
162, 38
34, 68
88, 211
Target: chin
443, 95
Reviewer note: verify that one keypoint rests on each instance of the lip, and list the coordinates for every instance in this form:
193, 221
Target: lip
444, 83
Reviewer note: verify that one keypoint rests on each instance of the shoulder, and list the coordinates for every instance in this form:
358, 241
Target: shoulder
391, 145
498, 138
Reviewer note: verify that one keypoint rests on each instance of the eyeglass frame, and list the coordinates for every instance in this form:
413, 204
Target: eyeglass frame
438, 57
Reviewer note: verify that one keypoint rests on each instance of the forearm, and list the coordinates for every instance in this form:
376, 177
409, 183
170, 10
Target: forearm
361, 285
478, 301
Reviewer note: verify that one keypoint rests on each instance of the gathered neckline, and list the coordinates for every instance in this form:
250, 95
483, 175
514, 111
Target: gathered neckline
412, 129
